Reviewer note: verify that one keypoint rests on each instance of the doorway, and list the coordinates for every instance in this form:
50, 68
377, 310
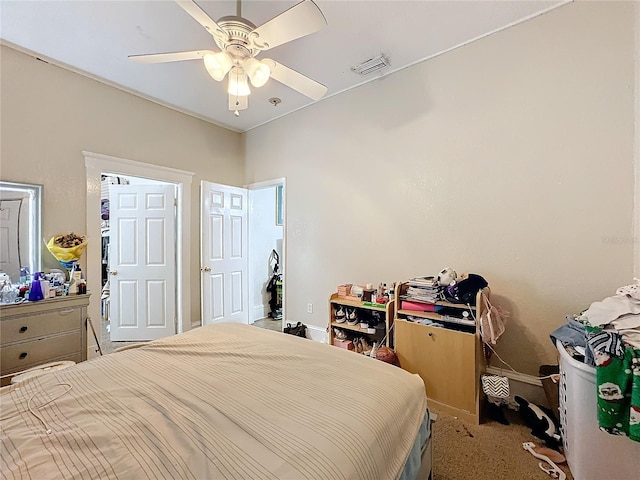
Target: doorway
267, 254
138, 259
96, 165
242, 229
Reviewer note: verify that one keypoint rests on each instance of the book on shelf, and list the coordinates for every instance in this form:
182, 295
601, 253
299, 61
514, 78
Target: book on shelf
428, 281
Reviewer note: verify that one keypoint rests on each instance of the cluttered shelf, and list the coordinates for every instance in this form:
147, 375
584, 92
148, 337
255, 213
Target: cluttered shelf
438, 317
440, 303
354, 318
358, 328
357, 303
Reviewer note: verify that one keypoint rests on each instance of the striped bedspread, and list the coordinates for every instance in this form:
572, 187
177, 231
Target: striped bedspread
226, 401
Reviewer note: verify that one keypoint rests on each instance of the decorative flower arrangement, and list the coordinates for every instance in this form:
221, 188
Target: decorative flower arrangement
67, 248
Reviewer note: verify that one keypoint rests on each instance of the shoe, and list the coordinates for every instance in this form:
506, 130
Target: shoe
352, 316
366, 346
339, 334
340, 315
357, 343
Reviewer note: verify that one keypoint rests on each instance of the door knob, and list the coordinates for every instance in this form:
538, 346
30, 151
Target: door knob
113, 272
205, 269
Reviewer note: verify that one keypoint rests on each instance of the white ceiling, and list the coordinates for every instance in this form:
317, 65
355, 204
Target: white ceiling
96, 37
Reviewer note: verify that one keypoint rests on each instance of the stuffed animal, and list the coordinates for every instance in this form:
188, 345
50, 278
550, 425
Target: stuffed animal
541, 421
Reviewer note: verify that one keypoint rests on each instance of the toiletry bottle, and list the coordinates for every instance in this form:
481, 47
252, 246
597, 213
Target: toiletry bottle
24, 275
74, 280
35, 292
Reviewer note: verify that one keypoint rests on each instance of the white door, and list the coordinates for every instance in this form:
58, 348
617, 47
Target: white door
223, 246
142, 262
10, 238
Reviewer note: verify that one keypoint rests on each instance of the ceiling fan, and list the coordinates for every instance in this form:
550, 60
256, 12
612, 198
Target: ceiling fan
240, 41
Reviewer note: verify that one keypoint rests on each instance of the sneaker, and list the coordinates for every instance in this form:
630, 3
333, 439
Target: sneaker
339, 334
366, 346
339, 314
352, 316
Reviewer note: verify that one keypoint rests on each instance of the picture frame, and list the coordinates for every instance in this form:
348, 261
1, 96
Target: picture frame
279, 206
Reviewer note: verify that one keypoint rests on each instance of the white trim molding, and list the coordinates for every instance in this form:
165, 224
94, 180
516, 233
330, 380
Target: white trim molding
96, 164
515, 376
317, 334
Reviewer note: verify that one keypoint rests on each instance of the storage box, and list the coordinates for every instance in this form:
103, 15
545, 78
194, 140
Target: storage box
591, 453
344, 290
346, 344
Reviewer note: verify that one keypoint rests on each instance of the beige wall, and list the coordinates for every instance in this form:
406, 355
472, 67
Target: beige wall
511, 157
49, 115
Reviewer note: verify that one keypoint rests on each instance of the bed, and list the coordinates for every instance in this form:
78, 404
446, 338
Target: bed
224, 401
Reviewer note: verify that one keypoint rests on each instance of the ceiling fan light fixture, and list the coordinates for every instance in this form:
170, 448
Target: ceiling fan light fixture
218, 64
258, 71
238, 85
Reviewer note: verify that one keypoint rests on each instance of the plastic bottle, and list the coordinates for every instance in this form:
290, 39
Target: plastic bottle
35, 292
76, 276
24, 275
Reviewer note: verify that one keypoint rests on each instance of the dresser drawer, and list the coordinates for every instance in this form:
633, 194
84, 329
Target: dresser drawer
40, 325
24, 355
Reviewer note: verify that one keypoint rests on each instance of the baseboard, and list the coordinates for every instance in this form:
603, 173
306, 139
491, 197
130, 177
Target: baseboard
517, 376
317, 334
523, 385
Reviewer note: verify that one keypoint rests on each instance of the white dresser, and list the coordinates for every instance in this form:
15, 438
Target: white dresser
33, 333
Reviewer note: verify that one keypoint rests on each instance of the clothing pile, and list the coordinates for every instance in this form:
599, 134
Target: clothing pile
607, 335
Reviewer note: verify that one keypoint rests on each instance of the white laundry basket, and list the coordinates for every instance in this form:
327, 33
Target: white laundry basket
591, 453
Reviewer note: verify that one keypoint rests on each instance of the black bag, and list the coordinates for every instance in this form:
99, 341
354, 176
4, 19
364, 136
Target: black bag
299, 329
465, 291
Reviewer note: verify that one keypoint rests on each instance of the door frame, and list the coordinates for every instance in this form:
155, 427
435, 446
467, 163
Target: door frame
96, 164
283, 261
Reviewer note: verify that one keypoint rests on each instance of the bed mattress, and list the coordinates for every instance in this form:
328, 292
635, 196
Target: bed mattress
226, 401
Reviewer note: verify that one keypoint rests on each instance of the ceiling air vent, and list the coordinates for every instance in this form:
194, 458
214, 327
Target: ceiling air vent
371, 65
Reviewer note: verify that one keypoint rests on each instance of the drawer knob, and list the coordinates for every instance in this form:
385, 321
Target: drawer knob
23, 329
23, 355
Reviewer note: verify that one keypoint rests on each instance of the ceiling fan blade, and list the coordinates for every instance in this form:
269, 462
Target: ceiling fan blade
170, 57
202, 18
300, 20
238, 103
295, 80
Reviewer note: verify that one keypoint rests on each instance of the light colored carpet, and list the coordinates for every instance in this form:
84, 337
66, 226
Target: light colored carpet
490, 451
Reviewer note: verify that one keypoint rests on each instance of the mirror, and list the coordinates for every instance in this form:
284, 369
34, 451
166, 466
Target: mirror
20, 223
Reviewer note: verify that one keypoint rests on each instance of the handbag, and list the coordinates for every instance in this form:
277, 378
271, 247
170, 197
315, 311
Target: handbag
492, 320
495, 386
299, 329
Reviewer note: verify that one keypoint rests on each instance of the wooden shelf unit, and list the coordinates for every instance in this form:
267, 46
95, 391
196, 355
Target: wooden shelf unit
388, 311
449, 359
